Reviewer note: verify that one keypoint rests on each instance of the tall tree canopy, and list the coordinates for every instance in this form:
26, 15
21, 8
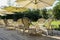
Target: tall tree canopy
56, 11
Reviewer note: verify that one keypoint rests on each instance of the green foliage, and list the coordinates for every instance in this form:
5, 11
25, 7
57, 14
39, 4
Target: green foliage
9, 16
56, 11
44, 13
31, 14
58, 28
34, 15
3, 17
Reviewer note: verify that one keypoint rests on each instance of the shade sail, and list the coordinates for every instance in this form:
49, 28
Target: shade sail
35, 3
4, 12
22, 3
20, 0
15, 9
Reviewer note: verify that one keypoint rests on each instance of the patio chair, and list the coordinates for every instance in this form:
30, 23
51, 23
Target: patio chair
35, 28
10, 25
47, 24
19, 25
24, 24
41, 26
2, 24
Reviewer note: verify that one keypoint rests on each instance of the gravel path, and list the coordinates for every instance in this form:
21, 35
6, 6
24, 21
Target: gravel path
12, 35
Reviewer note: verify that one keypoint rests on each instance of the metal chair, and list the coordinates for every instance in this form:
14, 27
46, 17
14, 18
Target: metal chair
35, 29
23, 24
10, 25
2, 24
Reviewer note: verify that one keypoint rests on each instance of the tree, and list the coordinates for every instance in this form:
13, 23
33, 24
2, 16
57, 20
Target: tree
44, 13
56, 11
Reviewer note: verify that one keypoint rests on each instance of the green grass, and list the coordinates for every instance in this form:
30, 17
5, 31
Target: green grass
56, 24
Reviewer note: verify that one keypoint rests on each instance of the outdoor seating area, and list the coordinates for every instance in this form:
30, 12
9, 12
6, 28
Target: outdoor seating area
26, 26
29, 19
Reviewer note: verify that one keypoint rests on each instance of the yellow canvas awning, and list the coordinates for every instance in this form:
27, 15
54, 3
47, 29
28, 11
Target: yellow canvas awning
5, 12
15, 9
20, 0
35, 3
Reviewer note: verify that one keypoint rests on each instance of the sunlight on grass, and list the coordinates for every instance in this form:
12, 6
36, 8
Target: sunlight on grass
56, 23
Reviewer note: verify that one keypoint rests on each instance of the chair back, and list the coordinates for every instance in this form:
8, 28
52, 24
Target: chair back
2, 22
26, 21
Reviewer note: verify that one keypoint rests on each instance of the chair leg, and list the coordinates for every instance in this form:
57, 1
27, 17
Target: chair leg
23, 30
46, 33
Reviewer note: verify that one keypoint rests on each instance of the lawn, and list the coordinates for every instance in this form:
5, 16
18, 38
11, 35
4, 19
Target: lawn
56, 24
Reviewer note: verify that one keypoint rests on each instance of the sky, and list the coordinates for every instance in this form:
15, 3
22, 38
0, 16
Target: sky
6, 2
3, 2
52, 5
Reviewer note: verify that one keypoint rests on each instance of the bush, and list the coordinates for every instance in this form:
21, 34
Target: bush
58, 28
33, 15
44, 14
